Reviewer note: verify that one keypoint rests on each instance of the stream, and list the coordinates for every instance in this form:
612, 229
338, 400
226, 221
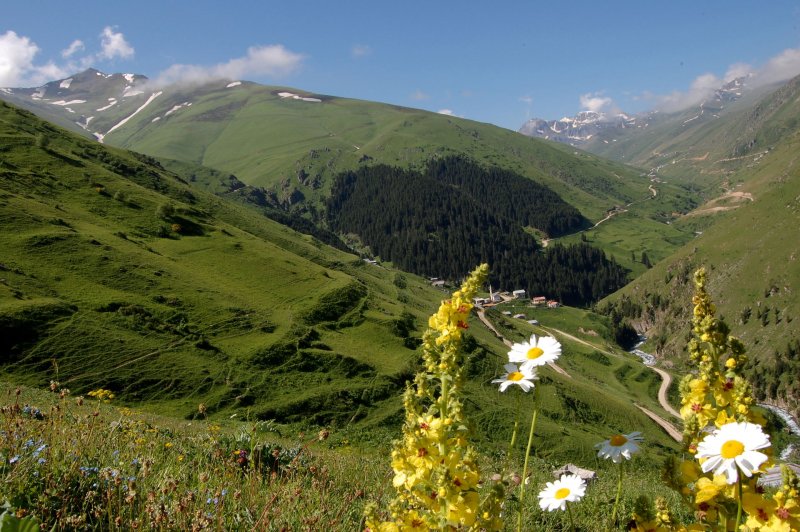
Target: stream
647, 358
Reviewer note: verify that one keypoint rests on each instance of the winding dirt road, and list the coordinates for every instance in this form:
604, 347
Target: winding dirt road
666, 378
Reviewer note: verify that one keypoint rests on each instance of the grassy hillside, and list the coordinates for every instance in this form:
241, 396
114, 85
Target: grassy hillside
701, 146
118, 274
293, 146
287, 150
749, 241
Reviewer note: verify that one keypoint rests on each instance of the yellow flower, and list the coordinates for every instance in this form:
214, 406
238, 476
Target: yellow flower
700, 409
759, 510
708, 490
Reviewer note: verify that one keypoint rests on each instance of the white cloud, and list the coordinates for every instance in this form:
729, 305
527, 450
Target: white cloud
737, 70
114, 45
702, 87
76, 46
273, 60
360, 50
418, 95
16, 63
783, 66
528, 100
449, 112
596, 102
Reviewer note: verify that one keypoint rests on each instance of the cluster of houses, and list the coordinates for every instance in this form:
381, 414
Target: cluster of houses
499, 297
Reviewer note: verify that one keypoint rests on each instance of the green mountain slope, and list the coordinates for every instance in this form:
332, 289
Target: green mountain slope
292, 142
118, 274
700, 146
749, 238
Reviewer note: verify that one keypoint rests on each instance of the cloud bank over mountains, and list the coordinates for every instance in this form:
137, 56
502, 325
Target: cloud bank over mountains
17, 55
18, 66
781, 67
273, 61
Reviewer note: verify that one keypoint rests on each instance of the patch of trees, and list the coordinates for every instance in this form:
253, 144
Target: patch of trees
778, 377
509, 195
444, 220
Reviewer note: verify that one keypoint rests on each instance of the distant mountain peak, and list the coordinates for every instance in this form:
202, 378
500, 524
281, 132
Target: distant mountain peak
587, 125
576, 130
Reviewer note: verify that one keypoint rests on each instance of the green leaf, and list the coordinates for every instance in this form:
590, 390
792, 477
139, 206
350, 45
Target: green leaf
11, 523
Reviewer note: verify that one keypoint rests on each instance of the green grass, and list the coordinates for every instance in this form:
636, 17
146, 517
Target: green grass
76, 462
233, 311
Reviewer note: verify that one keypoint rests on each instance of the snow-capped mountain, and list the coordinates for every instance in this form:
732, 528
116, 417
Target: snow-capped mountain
588, 127
576, 130
91, 99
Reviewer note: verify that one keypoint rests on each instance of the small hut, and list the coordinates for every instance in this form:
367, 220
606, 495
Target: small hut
586, 474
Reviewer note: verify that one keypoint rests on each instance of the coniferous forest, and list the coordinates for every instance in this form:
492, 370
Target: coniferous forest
433, 222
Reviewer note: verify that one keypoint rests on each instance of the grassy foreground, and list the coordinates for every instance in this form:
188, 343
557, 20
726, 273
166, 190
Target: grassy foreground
77, 463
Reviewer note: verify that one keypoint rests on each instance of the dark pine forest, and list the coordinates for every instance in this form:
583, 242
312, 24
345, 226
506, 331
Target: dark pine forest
454, 214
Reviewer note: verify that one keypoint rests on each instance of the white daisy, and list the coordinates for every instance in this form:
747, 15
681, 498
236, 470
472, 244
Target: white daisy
522, 377
536, 352
556, 495
732, 448
620, 446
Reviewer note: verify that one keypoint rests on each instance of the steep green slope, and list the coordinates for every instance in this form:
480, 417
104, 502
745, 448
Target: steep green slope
751, 247
118, 274
700, 146
292, 142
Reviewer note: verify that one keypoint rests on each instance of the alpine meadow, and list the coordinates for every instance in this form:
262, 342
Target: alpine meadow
229, 305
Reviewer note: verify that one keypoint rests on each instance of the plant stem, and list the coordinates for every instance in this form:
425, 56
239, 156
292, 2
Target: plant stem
515, 433
619, 492
739, 502
569, 513
527, 456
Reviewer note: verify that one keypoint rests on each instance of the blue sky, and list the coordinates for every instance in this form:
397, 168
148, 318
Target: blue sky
499, 62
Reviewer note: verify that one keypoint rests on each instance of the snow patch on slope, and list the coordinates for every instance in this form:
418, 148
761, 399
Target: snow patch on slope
233, 84
112, 103
294, 96
65, 84
122, 122
64, 102
179, 106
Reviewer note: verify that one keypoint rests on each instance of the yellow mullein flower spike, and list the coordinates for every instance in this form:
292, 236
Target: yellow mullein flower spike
436, 473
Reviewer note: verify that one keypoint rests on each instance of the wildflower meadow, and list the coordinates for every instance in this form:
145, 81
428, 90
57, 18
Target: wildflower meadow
85, 463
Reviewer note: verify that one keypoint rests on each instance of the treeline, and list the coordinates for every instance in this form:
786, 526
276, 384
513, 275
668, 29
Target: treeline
432, 225
778, 377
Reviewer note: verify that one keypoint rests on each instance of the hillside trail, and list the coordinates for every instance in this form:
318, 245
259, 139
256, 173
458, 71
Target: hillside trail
666, 378
509, 343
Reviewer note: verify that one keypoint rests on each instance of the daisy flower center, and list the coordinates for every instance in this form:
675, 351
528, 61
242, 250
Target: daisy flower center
618, 440
562, 493
535, 352
515, 376
731, 449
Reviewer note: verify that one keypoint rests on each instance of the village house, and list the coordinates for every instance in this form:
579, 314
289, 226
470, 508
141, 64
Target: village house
553, 304
518, 294
539, 301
